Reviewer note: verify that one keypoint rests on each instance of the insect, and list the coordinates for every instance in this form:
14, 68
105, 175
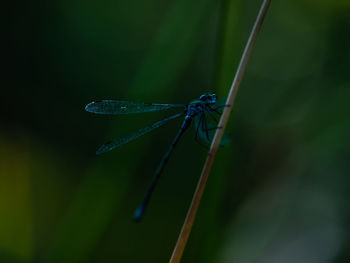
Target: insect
198, 110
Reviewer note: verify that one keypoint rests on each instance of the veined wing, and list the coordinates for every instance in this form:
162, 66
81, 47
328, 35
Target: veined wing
126, 107
132, 136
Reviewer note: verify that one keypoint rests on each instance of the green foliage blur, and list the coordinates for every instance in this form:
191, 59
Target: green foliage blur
278, 193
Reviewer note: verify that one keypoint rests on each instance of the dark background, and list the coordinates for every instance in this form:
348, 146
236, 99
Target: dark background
278, 193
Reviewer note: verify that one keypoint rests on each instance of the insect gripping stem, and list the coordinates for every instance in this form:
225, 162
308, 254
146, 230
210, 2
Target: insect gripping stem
191, 214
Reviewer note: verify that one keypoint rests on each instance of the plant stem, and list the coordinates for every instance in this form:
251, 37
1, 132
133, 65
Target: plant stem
191, 214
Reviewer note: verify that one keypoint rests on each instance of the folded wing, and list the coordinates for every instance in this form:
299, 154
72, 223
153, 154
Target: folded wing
116, 107
132, 136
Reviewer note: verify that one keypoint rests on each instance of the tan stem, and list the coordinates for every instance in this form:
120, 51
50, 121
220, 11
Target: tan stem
191, 214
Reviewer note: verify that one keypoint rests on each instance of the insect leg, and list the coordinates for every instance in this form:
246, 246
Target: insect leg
200, 122
210, 110
205, 127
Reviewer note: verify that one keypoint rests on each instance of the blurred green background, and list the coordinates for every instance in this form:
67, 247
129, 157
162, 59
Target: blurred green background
278, 193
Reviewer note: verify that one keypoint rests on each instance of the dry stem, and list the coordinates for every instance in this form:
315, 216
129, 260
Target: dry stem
191, 214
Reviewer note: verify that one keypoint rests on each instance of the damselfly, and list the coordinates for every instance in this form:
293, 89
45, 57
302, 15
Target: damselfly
199, 110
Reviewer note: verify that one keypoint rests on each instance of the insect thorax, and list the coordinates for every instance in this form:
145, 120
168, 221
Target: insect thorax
194, 108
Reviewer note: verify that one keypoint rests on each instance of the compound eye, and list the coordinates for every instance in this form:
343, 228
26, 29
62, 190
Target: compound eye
203, 97
213, 98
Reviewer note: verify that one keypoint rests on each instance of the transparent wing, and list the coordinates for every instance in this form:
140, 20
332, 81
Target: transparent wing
206, 130
132, 136
126, 107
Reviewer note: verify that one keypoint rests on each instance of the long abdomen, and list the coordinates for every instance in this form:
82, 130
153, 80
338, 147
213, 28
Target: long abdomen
140, 210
